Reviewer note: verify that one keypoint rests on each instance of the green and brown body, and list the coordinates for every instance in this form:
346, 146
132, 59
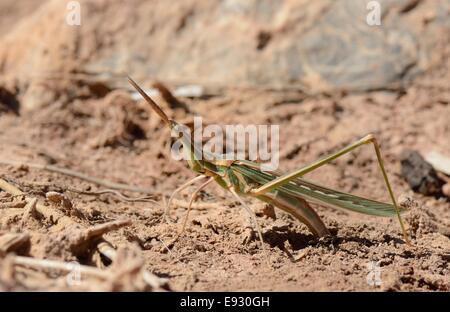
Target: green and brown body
289, 192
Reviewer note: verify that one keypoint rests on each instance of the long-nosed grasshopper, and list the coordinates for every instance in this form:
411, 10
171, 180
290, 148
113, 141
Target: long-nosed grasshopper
289, 192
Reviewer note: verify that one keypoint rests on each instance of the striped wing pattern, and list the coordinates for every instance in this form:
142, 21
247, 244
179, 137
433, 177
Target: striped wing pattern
319, 194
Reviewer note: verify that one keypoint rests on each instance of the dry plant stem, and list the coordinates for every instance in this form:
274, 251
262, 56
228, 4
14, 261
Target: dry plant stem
11, 189
101, 229
59, 266
198, 206
117, 194
154, 281
79, 175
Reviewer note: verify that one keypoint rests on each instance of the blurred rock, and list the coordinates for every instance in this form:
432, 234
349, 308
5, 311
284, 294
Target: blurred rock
321, 45
419, 174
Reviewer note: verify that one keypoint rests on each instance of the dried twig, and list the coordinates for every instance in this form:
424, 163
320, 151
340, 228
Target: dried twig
59, 266
101, 229
79, 175
152, 280
8, 187
199, 206
53, 196
119, 195
149, 199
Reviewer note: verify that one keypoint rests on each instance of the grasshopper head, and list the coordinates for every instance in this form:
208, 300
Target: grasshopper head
178, 131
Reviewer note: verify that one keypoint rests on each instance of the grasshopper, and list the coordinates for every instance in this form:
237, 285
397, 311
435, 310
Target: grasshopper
287, 191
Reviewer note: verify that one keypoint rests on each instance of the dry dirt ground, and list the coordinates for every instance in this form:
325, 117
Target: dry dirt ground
112, 137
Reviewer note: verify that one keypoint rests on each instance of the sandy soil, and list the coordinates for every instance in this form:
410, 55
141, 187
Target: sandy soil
112, 137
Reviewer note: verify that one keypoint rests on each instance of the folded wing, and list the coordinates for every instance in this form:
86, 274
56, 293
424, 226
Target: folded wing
318, 194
